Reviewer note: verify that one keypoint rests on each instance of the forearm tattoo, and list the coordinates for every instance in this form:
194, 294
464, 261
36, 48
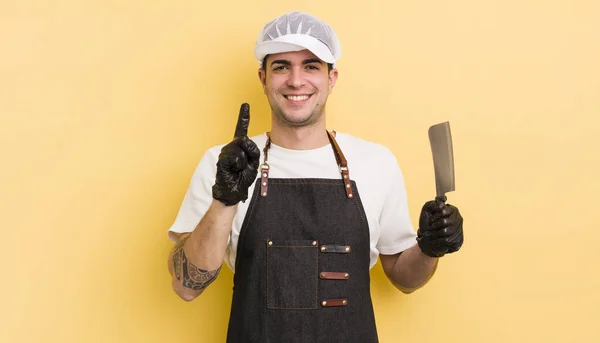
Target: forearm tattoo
193, 277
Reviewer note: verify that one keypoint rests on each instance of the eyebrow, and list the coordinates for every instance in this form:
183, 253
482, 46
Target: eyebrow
306, 61
312, 60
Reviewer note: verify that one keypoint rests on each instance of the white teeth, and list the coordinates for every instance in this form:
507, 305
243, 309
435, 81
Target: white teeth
297, 97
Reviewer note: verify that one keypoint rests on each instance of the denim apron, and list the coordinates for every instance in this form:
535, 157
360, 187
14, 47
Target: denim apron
302, 265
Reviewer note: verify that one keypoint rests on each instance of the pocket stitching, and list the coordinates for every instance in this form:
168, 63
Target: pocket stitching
316, 279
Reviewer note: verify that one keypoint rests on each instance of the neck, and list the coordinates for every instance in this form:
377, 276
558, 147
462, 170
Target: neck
299, 138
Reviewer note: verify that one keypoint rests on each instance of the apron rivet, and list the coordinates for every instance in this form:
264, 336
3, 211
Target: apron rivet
324, 303
264, 194
323, 248
314, 243
345, 302
350, 195
270, 243
347, 249
264, 183
264, 174
348, 186
345, 176
346, 275
322, 274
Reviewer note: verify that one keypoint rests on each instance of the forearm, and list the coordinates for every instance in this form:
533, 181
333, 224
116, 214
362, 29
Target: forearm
207, 243
196, 260
412, 270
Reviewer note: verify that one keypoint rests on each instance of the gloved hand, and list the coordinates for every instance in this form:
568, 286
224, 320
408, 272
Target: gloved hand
440, 228
237, 166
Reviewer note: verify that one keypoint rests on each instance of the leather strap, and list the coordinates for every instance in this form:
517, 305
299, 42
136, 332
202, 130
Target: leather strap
334, 302
341, 249
334, 275
342, 164
339, 157
264, 170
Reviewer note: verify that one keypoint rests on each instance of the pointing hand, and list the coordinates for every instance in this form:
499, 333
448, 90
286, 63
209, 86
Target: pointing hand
237, 166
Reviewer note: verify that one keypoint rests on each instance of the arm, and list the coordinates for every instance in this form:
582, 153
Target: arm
439, 233
409, 270
196, 260
198, 256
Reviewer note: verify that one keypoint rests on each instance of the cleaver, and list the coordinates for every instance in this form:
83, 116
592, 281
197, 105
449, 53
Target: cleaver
440, 139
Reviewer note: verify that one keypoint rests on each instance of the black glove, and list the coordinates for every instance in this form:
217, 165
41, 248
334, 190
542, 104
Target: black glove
238, 164
440, 228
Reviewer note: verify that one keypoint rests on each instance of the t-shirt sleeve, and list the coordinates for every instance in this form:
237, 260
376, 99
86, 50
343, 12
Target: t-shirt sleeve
198, 196
396, 230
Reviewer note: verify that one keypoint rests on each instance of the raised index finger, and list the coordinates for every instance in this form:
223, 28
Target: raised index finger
241, 129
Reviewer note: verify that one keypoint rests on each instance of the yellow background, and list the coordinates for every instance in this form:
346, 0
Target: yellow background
107, 106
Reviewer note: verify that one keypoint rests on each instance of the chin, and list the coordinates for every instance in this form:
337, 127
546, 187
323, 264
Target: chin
298, 120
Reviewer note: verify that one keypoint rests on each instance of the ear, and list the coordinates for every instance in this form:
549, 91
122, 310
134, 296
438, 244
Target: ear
333, 75
262, 76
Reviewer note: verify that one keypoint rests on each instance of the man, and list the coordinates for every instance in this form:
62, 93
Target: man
324, 207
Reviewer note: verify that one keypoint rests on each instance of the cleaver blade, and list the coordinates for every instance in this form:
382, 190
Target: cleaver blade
440, 139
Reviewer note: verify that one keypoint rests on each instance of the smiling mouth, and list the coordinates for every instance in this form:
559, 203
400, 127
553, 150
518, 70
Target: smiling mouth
297, 98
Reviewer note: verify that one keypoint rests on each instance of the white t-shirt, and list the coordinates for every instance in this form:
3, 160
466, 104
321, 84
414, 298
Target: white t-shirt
372, 166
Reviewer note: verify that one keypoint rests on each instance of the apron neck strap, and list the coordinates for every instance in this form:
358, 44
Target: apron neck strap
339, 157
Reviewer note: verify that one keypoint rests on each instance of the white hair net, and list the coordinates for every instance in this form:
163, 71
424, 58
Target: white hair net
297, 31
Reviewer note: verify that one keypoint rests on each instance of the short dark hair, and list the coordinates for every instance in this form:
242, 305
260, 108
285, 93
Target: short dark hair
264, 64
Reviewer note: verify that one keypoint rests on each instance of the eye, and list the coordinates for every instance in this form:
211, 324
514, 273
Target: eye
280, 67
312, 67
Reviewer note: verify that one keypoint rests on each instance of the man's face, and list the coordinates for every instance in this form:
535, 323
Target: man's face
297, 85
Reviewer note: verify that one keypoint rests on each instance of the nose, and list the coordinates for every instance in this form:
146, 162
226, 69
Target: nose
296, 79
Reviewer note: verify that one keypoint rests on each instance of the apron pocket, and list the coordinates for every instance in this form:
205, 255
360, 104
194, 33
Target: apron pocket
292, 274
